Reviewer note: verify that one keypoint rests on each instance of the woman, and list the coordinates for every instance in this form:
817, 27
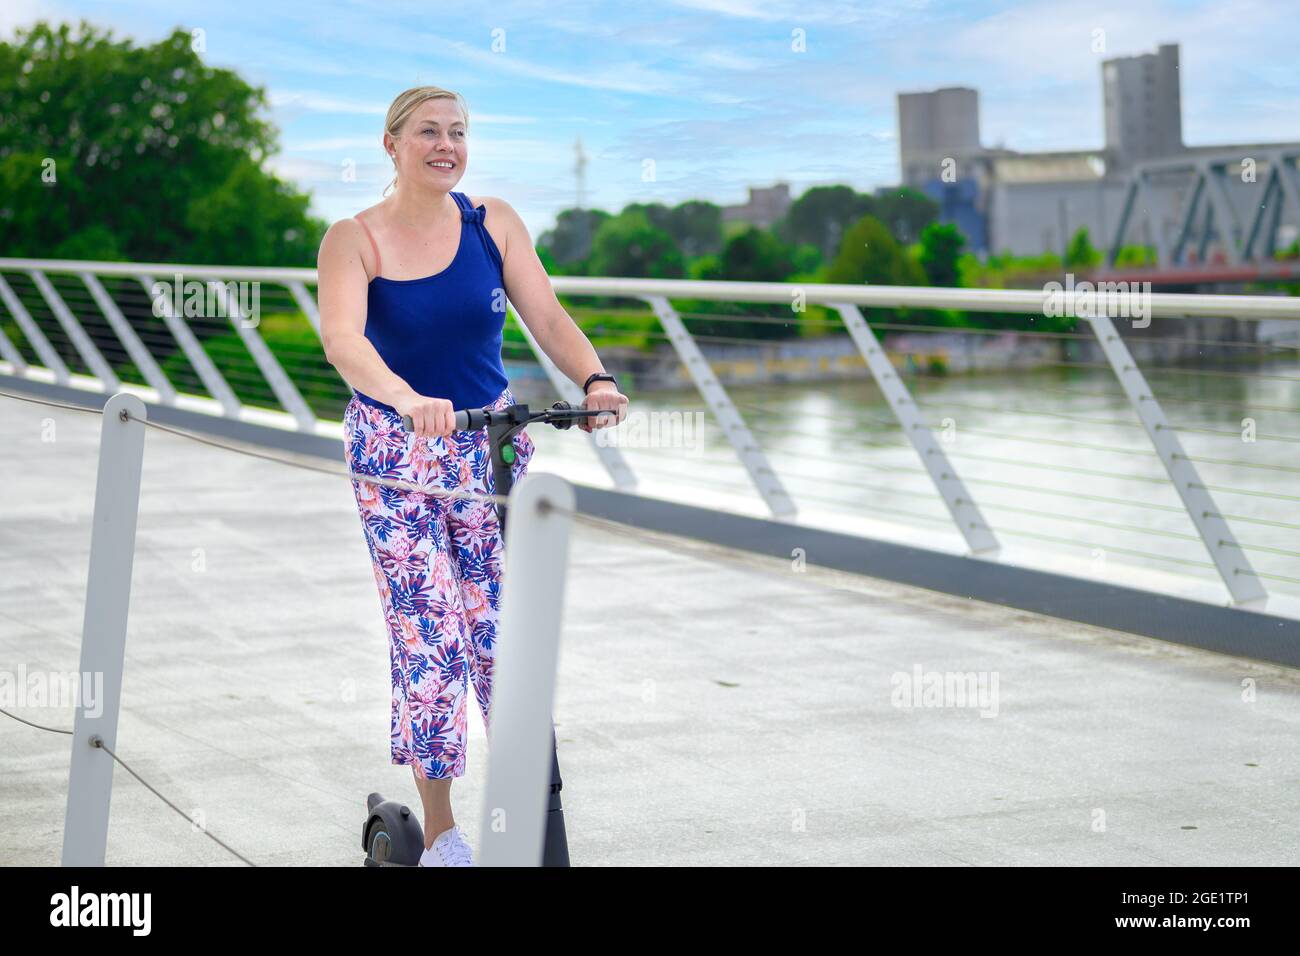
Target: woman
412, 304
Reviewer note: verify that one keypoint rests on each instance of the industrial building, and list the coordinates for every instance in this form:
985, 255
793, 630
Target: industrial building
1029, 203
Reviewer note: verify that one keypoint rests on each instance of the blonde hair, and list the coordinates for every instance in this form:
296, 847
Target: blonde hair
406, 103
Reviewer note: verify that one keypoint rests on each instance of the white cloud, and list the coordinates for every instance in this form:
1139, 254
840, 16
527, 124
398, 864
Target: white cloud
792, 12
25, 13
729, 60
318, 103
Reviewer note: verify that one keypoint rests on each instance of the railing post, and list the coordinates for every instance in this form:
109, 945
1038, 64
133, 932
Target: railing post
198, 357
103, 631
734, 428
513, 826
965, 513
285, 391
615, 462
1234, 567
306, 303
82, 342
35, 337
140, 355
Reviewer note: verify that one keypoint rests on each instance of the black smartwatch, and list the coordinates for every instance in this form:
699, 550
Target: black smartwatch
598, 377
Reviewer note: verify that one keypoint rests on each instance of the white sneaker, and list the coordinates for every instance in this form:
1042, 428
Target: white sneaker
449, 849
465, 847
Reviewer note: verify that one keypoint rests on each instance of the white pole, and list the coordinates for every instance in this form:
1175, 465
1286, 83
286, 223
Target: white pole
103, 631
513, 826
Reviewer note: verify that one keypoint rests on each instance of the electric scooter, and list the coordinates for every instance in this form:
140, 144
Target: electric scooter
391, 835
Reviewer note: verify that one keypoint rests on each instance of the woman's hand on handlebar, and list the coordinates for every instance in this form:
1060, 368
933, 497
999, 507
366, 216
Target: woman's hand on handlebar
431, 417
604, 395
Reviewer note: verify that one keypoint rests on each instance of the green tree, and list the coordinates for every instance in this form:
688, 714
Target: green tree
807, 259
751, 255
96, 242
756, 255
569, 242
1135, 256
147, 144
941, 247
821, 216
905, 211
870, 254
657, 214
697, 227
1080, 251
254, 212
627, 245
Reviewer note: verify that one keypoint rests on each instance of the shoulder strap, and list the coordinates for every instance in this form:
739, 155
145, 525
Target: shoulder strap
474, 216
370, 236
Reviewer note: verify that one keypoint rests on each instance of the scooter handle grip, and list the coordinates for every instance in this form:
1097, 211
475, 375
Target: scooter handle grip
466, 418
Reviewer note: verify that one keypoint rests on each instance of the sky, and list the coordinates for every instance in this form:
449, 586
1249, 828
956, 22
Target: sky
700, 99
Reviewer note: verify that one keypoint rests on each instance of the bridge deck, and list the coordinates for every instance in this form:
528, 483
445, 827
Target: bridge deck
713, 707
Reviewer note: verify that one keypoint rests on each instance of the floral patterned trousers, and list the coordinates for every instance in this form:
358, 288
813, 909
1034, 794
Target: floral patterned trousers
438, 564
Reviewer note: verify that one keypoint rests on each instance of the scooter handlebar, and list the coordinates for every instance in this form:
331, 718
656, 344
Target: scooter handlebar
560, 415
466, 418
470, 418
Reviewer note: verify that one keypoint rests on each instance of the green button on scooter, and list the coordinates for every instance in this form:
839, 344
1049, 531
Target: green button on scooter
508, 453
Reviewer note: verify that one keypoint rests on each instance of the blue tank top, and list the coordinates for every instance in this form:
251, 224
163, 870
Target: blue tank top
442, 333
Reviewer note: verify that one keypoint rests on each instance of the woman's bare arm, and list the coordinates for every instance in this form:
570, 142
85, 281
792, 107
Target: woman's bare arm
342, 292
529, 288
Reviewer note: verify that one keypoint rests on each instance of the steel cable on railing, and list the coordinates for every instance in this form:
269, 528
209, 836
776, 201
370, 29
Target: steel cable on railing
786, 473
1145, 452
1186, 370
1165, 399
238, 377
24, 720
991, 506
852, 420
1104, 499
1074, 542
98, 742
1060, 442
1101, 421
891, 326
1129, 528
1092, 472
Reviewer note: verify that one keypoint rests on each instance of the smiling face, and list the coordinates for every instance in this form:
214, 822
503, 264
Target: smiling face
432, 147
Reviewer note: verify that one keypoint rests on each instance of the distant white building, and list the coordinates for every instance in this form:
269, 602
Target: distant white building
766, 205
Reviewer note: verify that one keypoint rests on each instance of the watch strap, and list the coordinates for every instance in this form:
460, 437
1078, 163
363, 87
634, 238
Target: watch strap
598, 377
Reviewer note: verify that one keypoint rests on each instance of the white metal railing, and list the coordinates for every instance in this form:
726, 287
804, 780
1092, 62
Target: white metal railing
1229, 559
